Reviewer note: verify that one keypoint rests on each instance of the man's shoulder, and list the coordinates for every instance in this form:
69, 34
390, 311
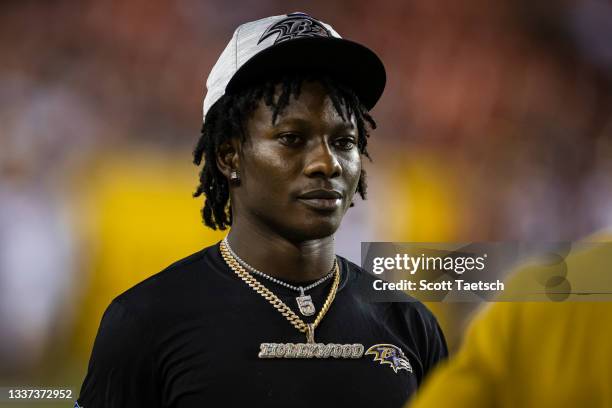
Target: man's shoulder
407, 305
172, 282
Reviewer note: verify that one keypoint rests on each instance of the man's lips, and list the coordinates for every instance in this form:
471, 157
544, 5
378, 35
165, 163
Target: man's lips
328, 200
321, 193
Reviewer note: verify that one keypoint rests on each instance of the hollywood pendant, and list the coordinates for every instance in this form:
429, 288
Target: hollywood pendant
305, 304
310, 349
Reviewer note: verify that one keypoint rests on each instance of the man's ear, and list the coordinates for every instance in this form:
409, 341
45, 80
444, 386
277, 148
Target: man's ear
227, 157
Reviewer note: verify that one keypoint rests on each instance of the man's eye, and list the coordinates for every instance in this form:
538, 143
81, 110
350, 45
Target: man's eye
346, 143
290, 139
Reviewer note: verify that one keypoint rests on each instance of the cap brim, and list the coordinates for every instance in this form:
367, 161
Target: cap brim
351, 63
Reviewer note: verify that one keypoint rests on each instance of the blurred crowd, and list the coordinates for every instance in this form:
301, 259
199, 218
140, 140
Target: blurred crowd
496, 124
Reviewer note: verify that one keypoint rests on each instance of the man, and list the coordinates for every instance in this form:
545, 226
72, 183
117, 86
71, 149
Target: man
271, 316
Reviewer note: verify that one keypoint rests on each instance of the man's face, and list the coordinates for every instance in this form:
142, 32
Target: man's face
298, 175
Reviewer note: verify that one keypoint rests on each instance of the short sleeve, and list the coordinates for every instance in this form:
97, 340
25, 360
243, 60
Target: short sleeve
121, 368
431, 341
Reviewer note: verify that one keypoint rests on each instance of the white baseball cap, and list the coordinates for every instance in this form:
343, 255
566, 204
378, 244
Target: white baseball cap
294, 42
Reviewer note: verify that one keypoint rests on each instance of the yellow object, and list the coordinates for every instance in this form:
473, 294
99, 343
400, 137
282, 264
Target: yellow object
532, 354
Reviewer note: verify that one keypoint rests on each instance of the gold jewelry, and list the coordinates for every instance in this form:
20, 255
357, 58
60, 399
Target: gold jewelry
310, 349
304, 301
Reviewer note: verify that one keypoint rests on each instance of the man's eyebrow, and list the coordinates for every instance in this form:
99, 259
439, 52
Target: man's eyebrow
349, 125
291, 120
299, 121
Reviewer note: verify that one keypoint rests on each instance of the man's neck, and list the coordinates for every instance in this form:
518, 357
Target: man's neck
280, 257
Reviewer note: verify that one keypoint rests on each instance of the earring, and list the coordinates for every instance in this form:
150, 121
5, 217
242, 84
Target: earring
234, 176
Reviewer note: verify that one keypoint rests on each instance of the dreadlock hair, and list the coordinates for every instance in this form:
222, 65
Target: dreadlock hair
228, 117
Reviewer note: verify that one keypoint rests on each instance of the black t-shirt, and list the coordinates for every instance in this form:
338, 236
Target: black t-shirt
190, 335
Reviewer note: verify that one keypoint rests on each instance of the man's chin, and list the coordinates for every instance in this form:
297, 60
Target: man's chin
307, 225
318, 228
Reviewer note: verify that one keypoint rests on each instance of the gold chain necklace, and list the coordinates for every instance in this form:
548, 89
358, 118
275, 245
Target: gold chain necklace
304, 301
310, 349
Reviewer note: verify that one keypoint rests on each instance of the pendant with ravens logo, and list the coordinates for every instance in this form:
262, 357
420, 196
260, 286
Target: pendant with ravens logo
390, 354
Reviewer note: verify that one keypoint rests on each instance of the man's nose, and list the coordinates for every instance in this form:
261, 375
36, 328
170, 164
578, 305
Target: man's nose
322, 161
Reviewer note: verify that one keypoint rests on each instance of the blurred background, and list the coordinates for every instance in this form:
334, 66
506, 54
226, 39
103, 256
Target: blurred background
496, 124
